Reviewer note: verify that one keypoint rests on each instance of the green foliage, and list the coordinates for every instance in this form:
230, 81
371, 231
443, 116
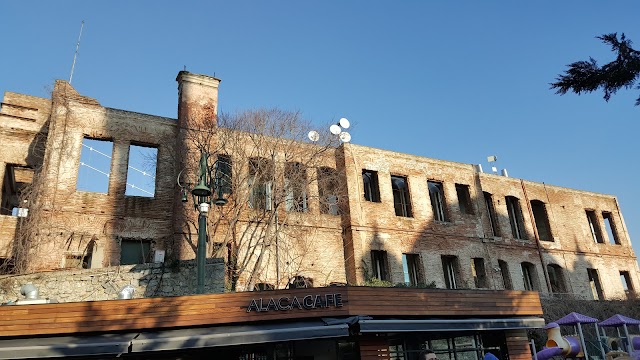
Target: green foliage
587, 76
431, 285
375, 282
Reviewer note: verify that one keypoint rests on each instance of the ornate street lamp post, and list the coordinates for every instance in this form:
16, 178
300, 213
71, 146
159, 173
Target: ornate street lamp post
202, 199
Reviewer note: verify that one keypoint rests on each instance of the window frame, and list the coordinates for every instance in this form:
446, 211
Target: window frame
224, 173
145, 255
491, 212
479, 273
412, 269
80, 174
556, 279
260, 182
627, 284
610, 227
450, 270
401, 196
380, 265
371, 187
594, 282
507, 283
541, 220
594, 226
516, 219
438, 200
296, 196
529, 276
132, 146
465, 204
328, 191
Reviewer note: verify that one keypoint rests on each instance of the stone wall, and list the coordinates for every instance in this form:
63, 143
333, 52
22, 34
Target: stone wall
467, 235
335, 248
149, 280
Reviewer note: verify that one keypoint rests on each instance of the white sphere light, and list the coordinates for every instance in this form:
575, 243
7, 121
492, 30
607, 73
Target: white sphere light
335, 129
345, 137
344, 123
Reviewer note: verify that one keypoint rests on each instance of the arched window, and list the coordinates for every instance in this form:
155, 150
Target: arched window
515, 217
506, 276
556, 278
542, 220
529, 276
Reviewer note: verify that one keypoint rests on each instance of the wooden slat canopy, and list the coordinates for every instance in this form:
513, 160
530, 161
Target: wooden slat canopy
203, 310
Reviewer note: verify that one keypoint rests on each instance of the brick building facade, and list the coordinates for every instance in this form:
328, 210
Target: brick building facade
403, 219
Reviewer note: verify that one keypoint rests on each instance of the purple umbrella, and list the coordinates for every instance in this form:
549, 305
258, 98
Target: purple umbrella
618, 320
575, 318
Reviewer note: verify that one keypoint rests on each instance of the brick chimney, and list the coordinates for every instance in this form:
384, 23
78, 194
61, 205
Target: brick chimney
197, 98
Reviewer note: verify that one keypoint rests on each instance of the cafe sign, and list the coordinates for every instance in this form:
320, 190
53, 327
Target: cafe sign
285, 303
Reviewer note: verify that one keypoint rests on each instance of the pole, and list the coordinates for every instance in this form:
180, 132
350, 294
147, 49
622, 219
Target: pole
582, 342
201, 254
599, 338
76, 53
626, 335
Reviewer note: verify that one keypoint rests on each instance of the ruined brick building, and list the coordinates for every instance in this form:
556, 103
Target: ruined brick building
400, 219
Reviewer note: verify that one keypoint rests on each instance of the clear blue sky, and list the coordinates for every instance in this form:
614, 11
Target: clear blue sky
450, 80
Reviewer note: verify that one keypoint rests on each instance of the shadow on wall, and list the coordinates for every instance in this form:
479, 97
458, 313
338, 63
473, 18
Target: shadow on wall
473, 241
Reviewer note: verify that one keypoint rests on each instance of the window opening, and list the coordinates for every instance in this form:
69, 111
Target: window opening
594, 226
627, 285
16, 179
506, 276
328, 191
611, 228
479, 273
464, 199
141, 171
515, 217
436, 194
379, 264
556, 278
224, 173
594, 283
449, 346
260, 184
397, 350
411, 269
450, 270
295, 182
95, 165
541, 218
401, 197
370, 184
529, 276
491, 211
133, 251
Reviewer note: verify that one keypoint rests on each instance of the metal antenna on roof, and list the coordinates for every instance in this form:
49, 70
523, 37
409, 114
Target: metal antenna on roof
76, 54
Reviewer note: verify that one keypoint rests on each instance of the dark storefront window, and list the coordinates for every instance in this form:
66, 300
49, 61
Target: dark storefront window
453, 346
